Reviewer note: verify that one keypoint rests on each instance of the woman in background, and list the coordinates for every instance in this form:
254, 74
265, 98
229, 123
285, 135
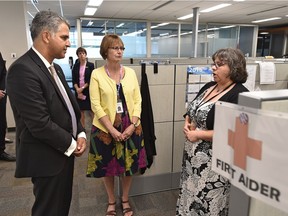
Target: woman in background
81, 74
117, 147
202, 191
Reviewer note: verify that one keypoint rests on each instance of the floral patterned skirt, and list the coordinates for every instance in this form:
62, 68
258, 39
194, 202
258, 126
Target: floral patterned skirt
110, 158
203, 192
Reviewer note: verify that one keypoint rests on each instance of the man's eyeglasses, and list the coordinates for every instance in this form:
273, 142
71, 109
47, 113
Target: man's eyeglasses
117, 48
217, 65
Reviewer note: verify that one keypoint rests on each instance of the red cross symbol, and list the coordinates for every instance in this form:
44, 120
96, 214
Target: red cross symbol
243, 145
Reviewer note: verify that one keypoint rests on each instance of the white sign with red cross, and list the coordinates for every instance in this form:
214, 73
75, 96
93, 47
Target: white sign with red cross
250, 148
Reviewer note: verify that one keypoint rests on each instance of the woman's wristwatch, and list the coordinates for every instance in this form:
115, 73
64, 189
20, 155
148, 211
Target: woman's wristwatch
134, 124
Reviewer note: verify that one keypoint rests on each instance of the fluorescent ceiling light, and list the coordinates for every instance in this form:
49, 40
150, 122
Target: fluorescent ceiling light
120, 25
217, 7
266, 20
224, 27
34, 5
90, 11
185, 17
30, 14
238, 0
134, 33
95, 3
212, 29
185, 33
164, 34
264, 33
163, 24
90, 23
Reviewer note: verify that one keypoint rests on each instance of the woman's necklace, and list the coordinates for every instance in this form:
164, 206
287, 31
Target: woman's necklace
203, 101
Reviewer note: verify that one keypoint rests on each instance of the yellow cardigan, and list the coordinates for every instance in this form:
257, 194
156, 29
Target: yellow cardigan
103, 95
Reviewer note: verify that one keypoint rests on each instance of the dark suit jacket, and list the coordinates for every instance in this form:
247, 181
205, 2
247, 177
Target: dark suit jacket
75, 75
43, 122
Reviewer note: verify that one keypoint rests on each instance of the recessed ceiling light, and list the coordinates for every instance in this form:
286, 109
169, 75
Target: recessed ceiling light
185, 17
90, 11
217, 7
266, 20
95, 3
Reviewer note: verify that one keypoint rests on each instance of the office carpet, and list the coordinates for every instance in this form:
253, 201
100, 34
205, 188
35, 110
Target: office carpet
89, 196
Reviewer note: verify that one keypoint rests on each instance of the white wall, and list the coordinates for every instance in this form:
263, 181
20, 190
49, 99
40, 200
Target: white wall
13, 37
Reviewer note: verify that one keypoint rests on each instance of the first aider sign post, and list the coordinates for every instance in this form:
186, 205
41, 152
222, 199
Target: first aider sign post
250, 149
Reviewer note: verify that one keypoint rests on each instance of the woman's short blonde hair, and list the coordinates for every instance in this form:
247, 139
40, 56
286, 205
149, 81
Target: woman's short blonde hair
108, 41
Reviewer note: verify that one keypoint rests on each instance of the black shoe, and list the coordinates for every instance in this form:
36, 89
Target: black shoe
7, 140
7, 157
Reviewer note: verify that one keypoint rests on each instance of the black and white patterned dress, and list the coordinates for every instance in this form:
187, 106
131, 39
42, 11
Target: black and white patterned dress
202, 191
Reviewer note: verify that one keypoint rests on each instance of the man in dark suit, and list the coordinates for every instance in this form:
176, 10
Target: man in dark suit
46, 138
3, 121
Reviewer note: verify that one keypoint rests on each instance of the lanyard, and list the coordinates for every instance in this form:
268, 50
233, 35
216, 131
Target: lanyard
121, 72
202, 102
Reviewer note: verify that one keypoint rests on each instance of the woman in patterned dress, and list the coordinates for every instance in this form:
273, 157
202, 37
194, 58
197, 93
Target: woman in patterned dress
116, 143
202, 191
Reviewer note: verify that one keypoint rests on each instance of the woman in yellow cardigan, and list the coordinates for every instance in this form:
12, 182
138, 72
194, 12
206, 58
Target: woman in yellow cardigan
117, 147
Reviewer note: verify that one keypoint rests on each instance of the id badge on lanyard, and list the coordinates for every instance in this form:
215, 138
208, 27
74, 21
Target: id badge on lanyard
119, 108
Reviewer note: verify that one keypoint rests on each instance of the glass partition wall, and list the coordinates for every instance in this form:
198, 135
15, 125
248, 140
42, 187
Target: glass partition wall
165, 40
133, 35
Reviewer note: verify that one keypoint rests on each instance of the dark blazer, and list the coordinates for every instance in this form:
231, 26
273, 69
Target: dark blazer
43, 122
75, 76
3, 120
147, 119
2, 72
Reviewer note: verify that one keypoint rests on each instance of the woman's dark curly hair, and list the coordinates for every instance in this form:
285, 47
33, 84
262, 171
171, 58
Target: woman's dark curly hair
235, 60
